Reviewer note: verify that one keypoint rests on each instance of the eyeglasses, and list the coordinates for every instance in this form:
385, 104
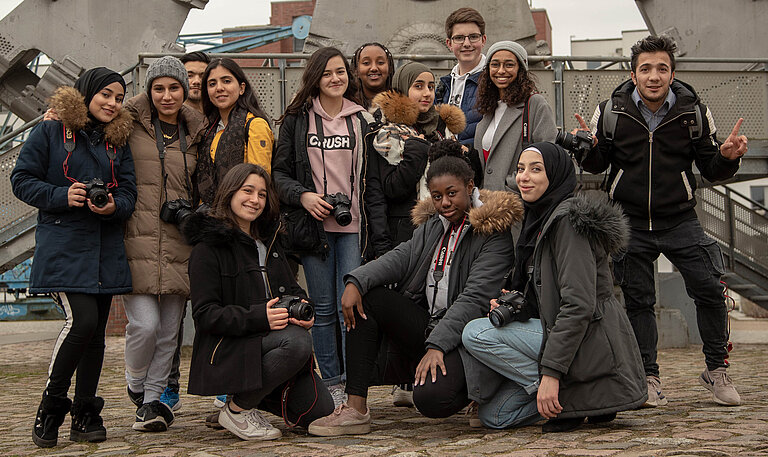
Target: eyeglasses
508, 65
473, 38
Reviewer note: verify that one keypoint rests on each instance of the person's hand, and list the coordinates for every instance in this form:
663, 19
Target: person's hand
317, 207
76, 195
51, 115
277, 317
105, 210
494, 302
429, 363
304, 324
583, 126
735, 145
546, 399
351, 300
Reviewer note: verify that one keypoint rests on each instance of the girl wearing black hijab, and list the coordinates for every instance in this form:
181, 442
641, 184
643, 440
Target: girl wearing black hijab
571, 353
78, 171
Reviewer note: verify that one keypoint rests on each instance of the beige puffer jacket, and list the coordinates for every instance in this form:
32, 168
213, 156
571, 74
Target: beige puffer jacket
157, 253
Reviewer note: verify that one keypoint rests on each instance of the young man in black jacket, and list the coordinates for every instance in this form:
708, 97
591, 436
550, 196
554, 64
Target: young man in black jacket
658, 134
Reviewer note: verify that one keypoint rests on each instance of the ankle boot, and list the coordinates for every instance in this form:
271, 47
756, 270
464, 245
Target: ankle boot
87, 424
50, 416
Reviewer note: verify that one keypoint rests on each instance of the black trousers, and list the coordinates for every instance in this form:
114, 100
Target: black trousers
80, 345
285, 363
403, 322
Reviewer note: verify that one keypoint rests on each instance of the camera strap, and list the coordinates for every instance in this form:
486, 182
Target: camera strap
525, 132
352, 144
69, 146
441, 260
161, 152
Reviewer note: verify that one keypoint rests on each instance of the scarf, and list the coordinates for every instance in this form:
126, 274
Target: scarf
562, 182
402, 82
230, 151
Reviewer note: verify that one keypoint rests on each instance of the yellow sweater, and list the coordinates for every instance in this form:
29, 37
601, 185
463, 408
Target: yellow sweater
260, 142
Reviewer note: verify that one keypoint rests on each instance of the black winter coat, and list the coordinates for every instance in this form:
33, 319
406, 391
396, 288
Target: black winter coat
651, 174
292, 174
77, 250
230, 318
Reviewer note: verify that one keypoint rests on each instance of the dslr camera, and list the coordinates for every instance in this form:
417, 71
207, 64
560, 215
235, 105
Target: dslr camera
433, 321
297, 309
96, 191
578, 144
341, 206
511, 308
176, 211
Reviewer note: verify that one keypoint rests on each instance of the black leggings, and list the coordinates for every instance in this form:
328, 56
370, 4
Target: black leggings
403, 322
80, 345
285, 361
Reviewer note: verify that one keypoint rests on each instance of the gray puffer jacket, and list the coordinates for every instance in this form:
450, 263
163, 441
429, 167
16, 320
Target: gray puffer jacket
483, 257
588, 341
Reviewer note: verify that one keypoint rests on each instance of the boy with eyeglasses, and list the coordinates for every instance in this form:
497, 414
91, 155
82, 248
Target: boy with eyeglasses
465, 31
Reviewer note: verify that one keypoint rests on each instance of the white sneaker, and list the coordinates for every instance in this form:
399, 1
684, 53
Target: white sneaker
338, 394
219, 401
248, 425
402, 397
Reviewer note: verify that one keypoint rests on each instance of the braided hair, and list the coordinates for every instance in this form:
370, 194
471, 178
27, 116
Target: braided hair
446, 157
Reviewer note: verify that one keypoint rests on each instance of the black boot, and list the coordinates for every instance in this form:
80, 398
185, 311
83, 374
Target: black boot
50, 416
87, 424
561, 425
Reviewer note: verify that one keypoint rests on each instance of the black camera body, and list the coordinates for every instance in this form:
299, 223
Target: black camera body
297, 309
433, 321
578, 144
176, 211
97, 192
341, 207
511, 308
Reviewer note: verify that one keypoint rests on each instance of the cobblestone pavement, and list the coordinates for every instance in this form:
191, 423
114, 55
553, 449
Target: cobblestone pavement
690, 425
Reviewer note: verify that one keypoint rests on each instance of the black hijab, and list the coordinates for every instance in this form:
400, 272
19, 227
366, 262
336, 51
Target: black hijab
562, 182
94, 80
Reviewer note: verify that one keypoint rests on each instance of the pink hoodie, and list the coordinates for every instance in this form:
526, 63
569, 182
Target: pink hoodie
341, 157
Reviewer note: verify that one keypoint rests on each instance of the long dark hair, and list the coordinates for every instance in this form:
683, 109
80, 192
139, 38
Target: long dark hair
356, 61
232, 182
247, 101
488, 95
310, 81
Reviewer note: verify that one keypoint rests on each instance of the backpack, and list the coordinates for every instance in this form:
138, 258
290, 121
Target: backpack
610, 119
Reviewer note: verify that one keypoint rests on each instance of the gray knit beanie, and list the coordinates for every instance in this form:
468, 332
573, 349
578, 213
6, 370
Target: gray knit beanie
171, 67
514, 48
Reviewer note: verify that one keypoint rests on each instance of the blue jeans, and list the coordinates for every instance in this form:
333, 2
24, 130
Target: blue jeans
325, 281
700, 262
513, 352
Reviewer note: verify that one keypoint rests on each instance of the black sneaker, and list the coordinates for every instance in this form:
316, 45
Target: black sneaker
87, 424
50, 416
153, 417
137, 398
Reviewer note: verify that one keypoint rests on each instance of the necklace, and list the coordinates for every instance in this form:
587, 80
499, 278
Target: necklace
170, 131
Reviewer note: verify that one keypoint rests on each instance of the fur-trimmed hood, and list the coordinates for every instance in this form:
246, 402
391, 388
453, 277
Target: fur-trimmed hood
399, 109
69, 105
499, 212
599, 220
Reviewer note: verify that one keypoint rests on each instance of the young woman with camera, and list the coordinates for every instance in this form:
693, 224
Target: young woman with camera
164, 144
238, 129
576, 356
444, 275
247, 343
333, 206
373, 68
78, 172
514, 114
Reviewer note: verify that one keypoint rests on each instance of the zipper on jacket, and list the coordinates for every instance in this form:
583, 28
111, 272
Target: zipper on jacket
650, 174
213, 354
364, 244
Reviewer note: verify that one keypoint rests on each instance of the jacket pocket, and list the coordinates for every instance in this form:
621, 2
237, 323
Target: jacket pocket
615, 183
712, 256
301, 231
595, 358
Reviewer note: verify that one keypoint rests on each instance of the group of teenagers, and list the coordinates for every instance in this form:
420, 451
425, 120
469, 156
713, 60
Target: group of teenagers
412, 204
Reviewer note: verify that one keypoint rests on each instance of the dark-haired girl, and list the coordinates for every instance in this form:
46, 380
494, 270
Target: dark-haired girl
373, 68
238, 129
445, 275
576, 356
79, 250
320, 156
244, 345
507, 95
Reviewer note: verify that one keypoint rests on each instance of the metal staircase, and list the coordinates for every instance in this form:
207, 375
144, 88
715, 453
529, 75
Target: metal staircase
742, 233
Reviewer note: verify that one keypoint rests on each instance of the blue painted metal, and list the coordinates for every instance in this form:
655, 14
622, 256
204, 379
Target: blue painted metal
35, 307
259, 38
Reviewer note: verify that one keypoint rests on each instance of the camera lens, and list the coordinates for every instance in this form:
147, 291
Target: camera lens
497, 316
302, 311
564, 139
343, 216
98, 197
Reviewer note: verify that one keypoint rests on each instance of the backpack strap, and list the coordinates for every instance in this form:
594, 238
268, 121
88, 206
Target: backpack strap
695, 130
247, 130
610, 119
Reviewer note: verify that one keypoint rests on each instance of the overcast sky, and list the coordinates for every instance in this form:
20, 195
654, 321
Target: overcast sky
593, 18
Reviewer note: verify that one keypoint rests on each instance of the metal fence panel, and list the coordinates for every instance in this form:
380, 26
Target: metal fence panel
12, 210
